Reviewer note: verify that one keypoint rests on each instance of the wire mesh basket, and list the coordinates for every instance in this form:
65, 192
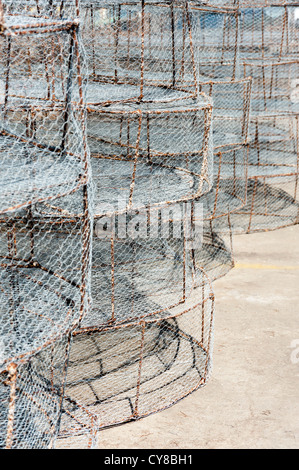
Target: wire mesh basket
272, 194
78, 428
31, 398
268, 30
42, 143
45, 286
146, 154
125, 372
140, 44
215, 35
45, 251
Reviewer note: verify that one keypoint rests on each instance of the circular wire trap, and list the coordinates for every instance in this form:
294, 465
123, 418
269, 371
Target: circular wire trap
273, 164
140, 44
214, 256
44, 270
215, 40
42, 144
125, 372
142, 266
267, 29
149, 153
228, 192
273, 85
31, 398
76, 421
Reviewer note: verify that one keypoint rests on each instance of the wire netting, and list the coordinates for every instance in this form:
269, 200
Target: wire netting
272, 190
78, 427
176, 124
31, 398
41, 139
44, 251
128, 371
44, 248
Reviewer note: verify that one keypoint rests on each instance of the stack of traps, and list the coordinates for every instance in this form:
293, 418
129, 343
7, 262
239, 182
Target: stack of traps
163, 169
268, 52
44, 249
183, 129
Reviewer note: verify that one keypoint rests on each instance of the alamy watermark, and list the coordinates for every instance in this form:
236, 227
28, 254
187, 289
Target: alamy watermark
295, 351
183, 220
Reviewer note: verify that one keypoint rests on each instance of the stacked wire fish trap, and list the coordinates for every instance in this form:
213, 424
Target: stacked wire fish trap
147, 340
215, 31
45, 248
268, 52
119, 188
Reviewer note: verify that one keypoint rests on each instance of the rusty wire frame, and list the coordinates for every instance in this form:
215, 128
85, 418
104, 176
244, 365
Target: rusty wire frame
131, 39
32, 393
76, 420
128, 371
147, 157
21, 114
264, 33
45, 286
273, 164
146, 342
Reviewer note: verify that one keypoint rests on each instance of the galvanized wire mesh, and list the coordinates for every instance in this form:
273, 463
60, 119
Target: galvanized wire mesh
44, 250
273, 163
191, 107
31, 398
129, 371
149, 128
78, 427
267, 52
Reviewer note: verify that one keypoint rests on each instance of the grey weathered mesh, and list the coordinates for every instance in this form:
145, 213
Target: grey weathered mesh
31, 398
150, 136
272, 191
44, 163
184, 101
76, 421
128, 371
148, 126
269, 54
44, 247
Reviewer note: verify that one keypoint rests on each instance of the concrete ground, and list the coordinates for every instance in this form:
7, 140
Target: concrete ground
252, 398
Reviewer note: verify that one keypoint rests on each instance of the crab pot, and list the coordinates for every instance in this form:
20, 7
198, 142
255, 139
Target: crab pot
268, 29
228, 193
215, 34
31, 398
215, 256
44, 270
272, 189
274, 86
150, 153
78, 427
42, 143
122, 373
231, 110
139, 43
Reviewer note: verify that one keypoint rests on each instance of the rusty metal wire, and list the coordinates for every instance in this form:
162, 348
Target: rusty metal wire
125, 372
31, 398
273, 164
191, 119
76, 421
44, 250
